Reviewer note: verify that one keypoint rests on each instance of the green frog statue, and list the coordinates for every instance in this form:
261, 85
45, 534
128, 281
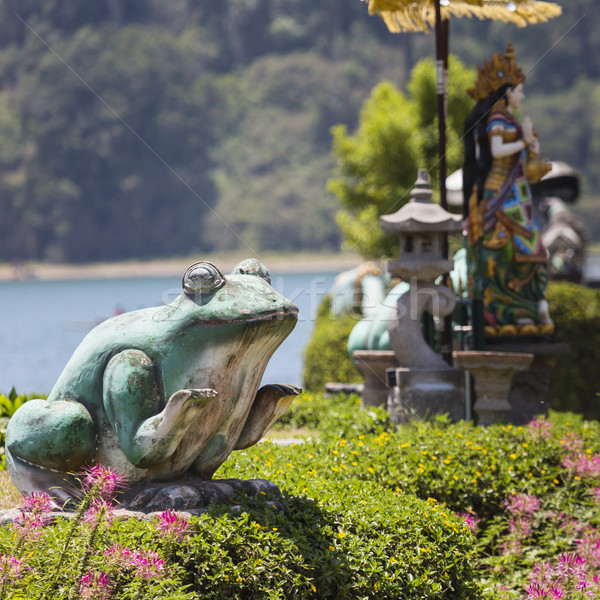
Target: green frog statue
164, 392
508, 270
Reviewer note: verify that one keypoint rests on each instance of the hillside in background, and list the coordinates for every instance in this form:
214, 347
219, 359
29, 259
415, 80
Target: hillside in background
139, 128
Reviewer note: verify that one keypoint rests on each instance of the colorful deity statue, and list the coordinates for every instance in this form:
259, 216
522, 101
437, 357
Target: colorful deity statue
508, 268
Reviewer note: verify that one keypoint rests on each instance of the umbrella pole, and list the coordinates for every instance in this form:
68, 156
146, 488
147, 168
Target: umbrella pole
442, 31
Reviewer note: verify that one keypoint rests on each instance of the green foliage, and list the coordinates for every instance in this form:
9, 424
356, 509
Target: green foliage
326, 356
370, 512
328, 542
84, 124
462, 466
574, 375
397, 134
336, 416
235, 101
474, 471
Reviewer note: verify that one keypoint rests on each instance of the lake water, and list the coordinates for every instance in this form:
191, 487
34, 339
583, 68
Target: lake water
43, 322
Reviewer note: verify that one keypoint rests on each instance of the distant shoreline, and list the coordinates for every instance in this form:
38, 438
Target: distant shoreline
301, 263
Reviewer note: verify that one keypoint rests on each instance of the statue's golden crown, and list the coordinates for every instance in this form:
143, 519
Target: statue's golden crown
502, 69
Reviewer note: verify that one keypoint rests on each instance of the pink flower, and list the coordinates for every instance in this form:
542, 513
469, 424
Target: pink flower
38, 503
540, 427
535, 590
557, 593
99, 511
10, 568
583, 466
173, 525
102, 483
522, 505
95, 585
145, 563
34, 514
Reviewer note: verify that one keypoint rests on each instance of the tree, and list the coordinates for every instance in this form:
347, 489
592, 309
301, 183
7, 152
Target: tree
397, 134
118, 129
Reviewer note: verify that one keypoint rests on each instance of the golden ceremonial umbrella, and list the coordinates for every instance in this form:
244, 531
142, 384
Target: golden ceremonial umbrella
428, 15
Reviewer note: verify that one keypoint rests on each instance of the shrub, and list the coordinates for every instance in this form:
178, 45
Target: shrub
334, 416
531, 494
349, 542
428, 510
575, 377
326, 356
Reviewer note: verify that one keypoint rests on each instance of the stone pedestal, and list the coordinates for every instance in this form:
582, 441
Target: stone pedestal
372, 365
421, 393
493, 373
528, 396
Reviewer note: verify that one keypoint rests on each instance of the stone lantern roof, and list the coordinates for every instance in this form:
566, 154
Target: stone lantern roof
420, 214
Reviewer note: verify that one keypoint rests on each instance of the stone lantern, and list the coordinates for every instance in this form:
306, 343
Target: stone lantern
424, 383
421, 227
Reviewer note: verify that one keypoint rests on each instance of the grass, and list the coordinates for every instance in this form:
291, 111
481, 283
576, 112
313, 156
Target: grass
9, 496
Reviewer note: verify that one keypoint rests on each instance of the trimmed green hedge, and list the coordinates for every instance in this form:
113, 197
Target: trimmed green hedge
575, 377
480, 472
326, 355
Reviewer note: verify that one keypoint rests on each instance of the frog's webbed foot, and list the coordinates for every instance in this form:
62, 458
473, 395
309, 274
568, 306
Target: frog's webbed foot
270, 403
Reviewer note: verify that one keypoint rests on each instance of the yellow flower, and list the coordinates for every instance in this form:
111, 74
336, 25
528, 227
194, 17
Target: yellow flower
342, 534
313, 588
405, 445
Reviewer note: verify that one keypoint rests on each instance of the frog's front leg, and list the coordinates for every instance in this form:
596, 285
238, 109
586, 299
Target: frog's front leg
132, 401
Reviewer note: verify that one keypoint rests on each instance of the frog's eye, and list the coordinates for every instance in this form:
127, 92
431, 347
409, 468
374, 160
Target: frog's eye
201, 278
251, 266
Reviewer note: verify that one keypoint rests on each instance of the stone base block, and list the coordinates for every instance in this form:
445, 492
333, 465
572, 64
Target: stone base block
192, 496
421, 393
373, 365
